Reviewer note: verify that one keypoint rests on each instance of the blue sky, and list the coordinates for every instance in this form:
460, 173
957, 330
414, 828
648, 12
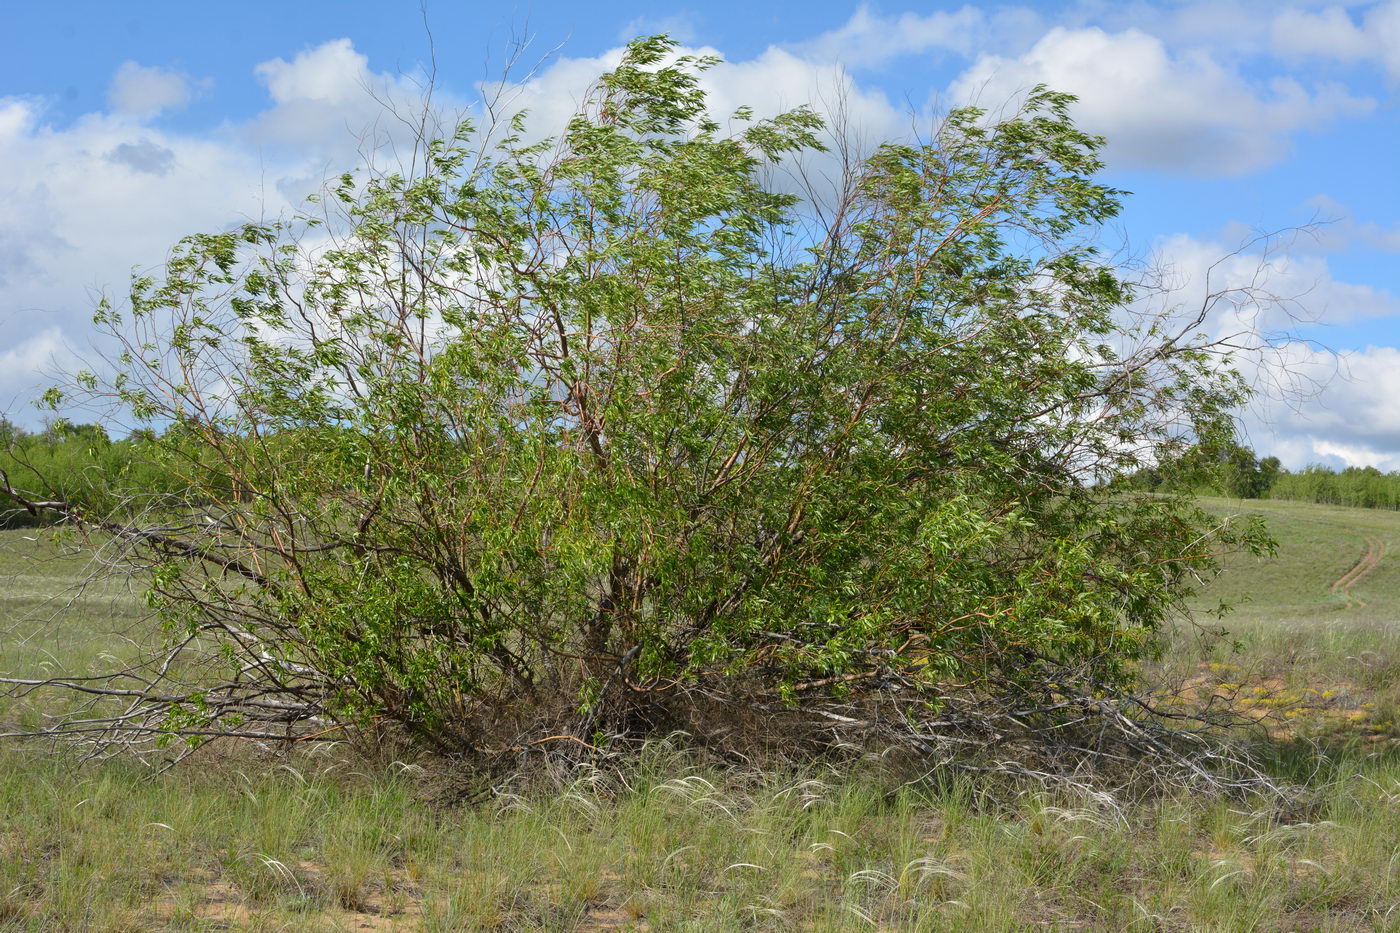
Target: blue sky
124, 126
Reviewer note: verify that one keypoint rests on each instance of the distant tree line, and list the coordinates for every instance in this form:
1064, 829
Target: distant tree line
1236, 471
81, 464
1366, 487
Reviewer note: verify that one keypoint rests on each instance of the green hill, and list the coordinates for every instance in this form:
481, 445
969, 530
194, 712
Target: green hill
1334, 565
1314, 636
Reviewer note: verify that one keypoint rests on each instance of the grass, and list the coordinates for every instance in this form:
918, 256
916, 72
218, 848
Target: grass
674, 848
54, 620
1317, 545
1310, 657
321, 841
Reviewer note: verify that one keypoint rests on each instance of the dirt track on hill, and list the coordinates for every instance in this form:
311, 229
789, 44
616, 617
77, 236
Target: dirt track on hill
1370, 559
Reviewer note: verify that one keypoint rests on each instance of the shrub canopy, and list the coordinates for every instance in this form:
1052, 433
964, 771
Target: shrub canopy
588, 433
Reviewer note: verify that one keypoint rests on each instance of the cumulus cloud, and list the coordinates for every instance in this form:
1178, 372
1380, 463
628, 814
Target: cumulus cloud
1332, 33
16, 118
1328, 32
1384, 24
82, 204
330, 111
1185, 111
1236, 26
773, 81
1351, 419
1312, 402
1178, 113
870, 38
1355, 456
142, 92
143, 156
778, 80
39, 353
329, 101
1341, 229
1268, 286
332, 72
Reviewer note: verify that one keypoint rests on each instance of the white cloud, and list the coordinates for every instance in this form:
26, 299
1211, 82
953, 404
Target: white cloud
333, 112
1273, 286
1332, 33
552, 94
1352, 418
34, 352
1233, 25
35, 355
1178, 113
321, 99
778, 80
1386, 238
774, 81
1383, 23
870, 38
1355, 456
1340, 229
1312, 401
332, 72
16, 117
142, 92
1329, 32
82, 204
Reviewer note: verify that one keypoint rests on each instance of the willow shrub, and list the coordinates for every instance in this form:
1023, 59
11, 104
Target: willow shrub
573, 433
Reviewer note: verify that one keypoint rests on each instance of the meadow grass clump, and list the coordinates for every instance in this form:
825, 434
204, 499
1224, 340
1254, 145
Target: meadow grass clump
681, 844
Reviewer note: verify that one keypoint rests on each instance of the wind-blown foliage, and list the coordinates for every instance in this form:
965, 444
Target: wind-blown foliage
602, 433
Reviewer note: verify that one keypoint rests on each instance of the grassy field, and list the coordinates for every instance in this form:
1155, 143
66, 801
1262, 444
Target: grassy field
1319, 545
324, 841
1316, 627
